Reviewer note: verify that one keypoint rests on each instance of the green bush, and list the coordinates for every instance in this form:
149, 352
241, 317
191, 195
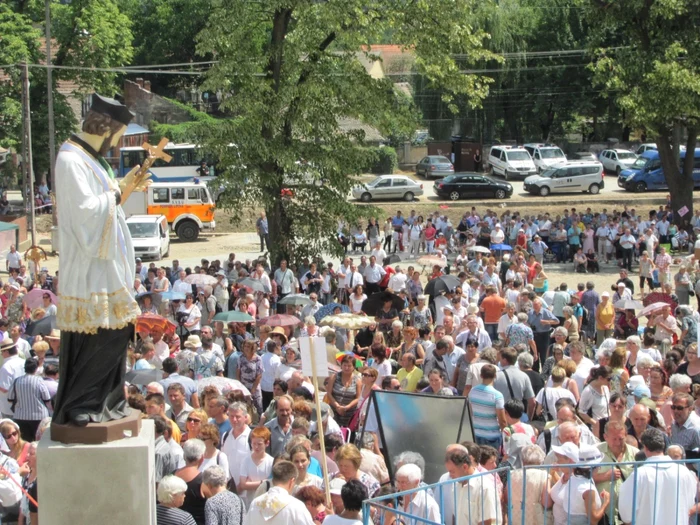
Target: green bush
381, 161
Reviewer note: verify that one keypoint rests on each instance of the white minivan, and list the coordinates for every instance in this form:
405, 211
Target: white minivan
572, 177
150, 235
545, 156
510, 162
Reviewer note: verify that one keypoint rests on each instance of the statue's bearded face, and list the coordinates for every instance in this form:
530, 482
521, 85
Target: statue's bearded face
110, 140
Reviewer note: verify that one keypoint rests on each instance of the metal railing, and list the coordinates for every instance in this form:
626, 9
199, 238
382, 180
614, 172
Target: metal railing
450, 496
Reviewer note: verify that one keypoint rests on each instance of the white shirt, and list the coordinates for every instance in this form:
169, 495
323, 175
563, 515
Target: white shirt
14, 260
182, 287
380, 254
497, 237
665, 493
374, 274
255, 472
397, 281
481, 336
278, 507
582, 371
11, 370
477, 501
423, 505
236, 450
352, 279
270, 362
23, 348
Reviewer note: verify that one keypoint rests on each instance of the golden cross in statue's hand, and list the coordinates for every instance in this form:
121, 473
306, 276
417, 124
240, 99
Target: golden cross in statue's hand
137, 178
157, 151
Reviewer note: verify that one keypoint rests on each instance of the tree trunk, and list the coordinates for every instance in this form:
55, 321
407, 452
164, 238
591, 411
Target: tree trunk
680, 182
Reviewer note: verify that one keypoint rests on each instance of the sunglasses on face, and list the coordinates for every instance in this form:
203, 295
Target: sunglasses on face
366, 375
193, 420
11, 435
678, 407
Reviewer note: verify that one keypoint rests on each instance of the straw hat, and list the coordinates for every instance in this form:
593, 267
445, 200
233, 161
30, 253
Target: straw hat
278, 330
7, 344
193, 341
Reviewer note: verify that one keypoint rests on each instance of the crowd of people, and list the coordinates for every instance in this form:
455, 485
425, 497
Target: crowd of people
553, 375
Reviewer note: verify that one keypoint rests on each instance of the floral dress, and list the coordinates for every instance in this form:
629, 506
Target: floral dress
250, 369
421, 318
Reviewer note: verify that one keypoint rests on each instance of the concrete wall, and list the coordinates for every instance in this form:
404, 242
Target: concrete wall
148, 106
409, 155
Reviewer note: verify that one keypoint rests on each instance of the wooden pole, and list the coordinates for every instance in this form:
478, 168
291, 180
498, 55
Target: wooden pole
319, 424
28, 159
49, 101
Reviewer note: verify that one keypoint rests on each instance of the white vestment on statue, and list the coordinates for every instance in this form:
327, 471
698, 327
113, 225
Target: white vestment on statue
96, 256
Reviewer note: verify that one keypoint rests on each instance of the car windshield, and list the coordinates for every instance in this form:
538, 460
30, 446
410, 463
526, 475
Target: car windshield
553, 153
548, 174
518, 155
376, 181
625, 155
449, 178
441, 160
143, 230
639, 163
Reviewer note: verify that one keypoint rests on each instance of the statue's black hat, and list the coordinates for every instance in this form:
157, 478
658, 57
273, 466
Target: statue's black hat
111, 108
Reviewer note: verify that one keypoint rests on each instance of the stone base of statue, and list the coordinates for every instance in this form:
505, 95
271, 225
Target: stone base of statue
96, 433
110, 484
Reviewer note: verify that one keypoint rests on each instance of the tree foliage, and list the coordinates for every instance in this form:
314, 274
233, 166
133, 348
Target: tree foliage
19, 43
91, 34
654, 76
289, 71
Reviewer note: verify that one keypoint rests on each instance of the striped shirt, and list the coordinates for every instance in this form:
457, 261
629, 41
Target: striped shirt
170, 516
484, 401
31, 395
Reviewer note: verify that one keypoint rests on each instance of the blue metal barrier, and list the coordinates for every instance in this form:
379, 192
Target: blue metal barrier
447, 496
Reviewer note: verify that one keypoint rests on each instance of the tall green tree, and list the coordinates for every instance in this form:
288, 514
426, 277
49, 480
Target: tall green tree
289, 71
19, 43
91, 34
654, 77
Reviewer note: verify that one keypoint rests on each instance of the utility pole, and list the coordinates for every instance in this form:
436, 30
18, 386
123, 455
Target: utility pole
27, 153
49, 100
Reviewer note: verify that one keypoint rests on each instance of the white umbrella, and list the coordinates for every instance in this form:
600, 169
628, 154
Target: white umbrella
224, 384
628, 304
653, 307
347, 321
479, 249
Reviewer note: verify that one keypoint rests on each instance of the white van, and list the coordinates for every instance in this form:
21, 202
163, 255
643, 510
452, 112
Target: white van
150, 235
510, 162
571, 177
545, 156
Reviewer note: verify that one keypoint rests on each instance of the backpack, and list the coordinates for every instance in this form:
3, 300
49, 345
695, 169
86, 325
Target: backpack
218, 309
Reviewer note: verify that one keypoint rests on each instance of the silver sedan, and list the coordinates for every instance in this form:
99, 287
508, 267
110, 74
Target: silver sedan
390, 187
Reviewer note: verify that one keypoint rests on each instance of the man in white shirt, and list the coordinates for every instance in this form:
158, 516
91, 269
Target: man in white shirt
378, 252
234, 443
180, 285
477, 498
658, 492
12, 368
473, 332
418, 503
352, 279
398, 280
23, 347
260, 275
311, 308
627, 243
374, 273
13, 260
277, 506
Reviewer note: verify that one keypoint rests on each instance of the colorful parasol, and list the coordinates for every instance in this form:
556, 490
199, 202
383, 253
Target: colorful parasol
358, 360
150, 322
35, 298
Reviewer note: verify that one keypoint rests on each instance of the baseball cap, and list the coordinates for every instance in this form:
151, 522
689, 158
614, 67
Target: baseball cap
336, 486
641, 391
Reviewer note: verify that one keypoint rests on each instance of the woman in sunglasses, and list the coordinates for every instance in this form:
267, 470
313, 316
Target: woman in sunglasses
18, 447
193, 424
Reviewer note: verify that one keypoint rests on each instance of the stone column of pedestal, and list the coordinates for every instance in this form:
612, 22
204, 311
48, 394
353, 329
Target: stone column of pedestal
108, 484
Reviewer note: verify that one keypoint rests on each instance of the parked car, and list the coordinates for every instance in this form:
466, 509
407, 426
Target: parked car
150, 235
646, 147
545, 156
573, 176
616, 160
511, 162
434, 166
468, 185
388, 187
583, 155
648, 174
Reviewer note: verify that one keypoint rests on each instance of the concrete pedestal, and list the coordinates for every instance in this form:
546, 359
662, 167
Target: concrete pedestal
108, 484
